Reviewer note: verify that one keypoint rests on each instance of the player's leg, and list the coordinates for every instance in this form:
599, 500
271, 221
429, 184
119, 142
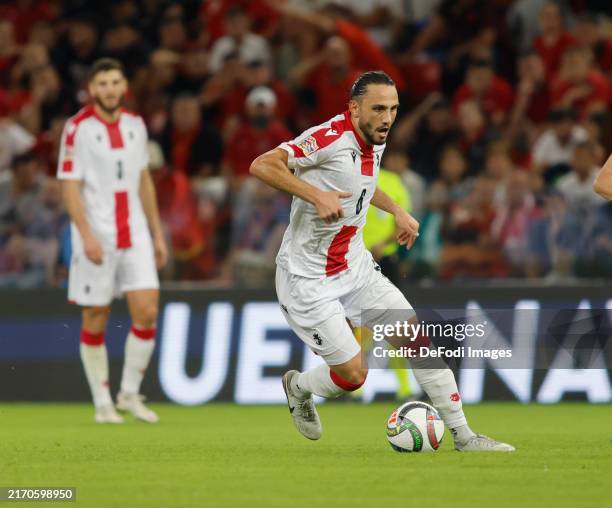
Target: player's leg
438, 382
91, 287
331, 381
137, 276
139, 345
343, 371
321, 324
95, 362
384, 303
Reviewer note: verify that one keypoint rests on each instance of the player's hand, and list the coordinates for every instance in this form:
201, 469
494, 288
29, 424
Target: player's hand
407, 228
161, 251
329, 207
93, 249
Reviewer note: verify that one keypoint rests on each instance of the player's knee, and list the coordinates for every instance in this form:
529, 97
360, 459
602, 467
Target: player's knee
146, 315
95, 319
359, 376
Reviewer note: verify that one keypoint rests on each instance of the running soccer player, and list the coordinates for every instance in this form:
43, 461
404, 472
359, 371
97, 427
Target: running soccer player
325, 275
117, 239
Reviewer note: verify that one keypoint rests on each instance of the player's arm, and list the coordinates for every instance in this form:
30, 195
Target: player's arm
272, 168
407, 227
71, 193
148, 199
603, 182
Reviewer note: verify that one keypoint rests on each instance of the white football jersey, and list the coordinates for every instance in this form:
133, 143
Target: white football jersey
331, 157
108, 158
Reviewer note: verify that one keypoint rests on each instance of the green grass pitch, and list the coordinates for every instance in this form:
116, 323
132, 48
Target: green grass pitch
222, 455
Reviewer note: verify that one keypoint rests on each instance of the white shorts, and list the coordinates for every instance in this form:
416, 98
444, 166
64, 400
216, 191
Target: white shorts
121, 270
317, 309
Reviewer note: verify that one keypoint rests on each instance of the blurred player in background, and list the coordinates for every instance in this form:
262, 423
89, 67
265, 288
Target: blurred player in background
117, 238
325, 275
379, 239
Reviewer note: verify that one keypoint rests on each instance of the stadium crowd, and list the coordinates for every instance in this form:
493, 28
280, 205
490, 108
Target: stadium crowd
505, 119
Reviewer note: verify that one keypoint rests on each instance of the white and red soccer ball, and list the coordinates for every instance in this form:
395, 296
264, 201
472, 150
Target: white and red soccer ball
415, 427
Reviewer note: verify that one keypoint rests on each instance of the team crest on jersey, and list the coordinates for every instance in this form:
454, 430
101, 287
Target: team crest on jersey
308, 146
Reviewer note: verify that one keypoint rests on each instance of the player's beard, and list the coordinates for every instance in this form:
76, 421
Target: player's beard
106, 109
369, 133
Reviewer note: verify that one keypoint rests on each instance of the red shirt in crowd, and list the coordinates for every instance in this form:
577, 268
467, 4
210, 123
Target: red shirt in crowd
331, 93
603, 55
247, 143
24, 18
367, 54
539, 104
551, 55
178, 209
12, 101
233, 103
263, 17
181, 148
497, 98
600, 92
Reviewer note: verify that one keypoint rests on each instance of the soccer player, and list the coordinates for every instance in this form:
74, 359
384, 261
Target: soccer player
603, 182
325, 276
117, 239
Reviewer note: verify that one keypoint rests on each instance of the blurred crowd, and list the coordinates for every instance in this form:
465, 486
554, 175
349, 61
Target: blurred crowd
505, 119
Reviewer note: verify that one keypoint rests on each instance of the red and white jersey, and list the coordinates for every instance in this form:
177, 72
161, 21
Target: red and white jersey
331, 157
108, 159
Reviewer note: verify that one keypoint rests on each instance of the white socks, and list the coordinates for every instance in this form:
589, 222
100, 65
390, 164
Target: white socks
138, 350
441, 387
95, 363
462, 434
321, 381
317, 381
439, 384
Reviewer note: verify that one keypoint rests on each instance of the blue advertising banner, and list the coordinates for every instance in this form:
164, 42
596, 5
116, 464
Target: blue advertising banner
235, 345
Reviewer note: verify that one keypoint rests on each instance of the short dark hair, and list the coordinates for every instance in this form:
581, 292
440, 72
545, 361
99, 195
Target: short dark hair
360, 86
104, 65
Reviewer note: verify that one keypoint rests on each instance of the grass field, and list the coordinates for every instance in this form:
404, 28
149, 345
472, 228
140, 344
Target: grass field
225, 455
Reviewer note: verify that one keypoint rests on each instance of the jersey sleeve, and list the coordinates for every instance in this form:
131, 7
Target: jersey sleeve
71, 161
311, 148
143, 152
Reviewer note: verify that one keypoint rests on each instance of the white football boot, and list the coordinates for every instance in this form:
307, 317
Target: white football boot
303, 411
480, 443
133, 403
107, 414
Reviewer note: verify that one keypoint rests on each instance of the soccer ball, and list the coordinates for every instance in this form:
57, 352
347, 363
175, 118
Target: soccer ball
415, 427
